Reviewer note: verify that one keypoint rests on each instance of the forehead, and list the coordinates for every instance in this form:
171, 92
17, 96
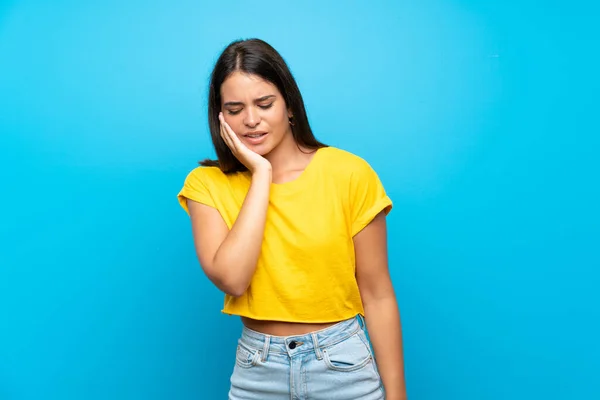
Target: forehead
242, 86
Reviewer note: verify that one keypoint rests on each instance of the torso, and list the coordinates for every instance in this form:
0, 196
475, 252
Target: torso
280, 328
277, 328
305, 276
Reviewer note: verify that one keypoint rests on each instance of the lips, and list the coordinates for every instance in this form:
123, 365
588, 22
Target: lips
255, 137
255, 134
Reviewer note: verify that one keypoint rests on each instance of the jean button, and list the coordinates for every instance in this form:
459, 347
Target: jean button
292, 345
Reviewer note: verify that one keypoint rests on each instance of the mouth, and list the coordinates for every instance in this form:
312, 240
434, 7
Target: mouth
255, 137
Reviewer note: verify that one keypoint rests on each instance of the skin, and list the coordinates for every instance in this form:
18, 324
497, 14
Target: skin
228, 257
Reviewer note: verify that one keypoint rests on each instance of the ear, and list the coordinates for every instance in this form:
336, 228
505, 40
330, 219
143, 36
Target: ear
290, 113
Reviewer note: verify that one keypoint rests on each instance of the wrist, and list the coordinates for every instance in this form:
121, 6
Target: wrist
395, 395
263, 173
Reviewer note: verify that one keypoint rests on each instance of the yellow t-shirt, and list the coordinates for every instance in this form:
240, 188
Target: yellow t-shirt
306, 268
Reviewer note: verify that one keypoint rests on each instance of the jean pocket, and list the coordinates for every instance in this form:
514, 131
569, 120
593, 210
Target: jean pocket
246, 357
349, 355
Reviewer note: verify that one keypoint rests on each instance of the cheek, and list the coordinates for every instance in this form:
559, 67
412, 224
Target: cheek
235, 122
278, 119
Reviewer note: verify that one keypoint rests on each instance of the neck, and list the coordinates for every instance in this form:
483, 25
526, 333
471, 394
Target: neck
286, 156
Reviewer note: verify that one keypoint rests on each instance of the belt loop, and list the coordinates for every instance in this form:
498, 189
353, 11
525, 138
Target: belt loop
361, 322
316, 346
266, 348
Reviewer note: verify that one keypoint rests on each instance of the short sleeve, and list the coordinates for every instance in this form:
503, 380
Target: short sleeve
367, 196
195, 188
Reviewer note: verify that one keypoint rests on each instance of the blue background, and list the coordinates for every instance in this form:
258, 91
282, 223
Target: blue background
478, 116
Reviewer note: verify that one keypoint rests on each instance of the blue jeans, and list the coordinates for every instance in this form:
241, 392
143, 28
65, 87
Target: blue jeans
335, 363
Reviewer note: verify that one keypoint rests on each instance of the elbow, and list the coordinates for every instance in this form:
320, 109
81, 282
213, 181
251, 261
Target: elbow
232, 287
235, 290
230, 281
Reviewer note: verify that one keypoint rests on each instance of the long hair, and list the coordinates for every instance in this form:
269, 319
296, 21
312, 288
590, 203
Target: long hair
256, 57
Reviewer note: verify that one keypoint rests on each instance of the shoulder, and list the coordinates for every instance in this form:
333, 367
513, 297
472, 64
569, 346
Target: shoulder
206, 173
344, 163
208, 176
207, 185
210, 180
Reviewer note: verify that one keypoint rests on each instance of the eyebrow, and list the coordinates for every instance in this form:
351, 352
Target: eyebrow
239, 103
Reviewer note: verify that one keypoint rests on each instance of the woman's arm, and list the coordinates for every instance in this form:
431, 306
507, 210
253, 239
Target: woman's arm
229, 257
381, 308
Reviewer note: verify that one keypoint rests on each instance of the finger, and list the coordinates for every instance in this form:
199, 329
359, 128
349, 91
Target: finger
227, 139
233, 139
224, 133
232, 136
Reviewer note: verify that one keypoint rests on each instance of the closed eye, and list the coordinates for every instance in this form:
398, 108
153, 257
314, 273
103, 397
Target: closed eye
262, 106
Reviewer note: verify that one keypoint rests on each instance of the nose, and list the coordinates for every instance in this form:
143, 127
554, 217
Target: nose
251, 118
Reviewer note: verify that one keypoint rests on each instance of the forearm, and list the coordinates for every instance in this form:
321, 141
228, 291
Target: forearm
384, 327
237, 256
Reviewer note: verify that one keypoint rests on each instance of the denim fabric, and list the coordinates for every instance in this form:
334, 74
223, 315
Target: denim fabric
335, 363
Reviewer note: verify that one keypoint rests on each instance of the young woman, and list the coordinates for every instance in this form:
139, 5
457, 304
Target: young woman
294, 233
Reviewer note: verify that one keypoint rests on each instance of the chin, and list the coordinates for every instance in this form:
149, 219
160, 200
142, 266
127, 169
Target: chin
261, 150
265, 147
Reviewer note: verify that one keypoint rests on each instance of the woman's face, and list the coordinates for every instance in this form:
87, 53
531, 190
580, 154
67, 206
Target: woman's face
256, 111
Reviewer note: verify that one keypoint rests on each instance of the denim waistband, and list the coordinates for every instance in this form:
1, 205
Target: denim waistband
314, 341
